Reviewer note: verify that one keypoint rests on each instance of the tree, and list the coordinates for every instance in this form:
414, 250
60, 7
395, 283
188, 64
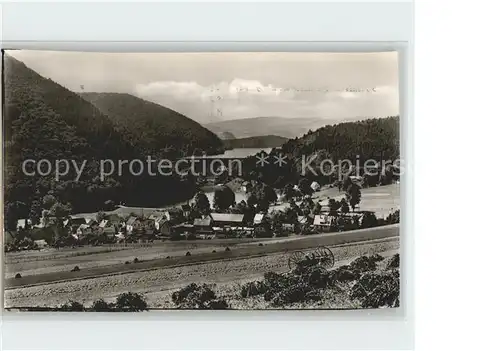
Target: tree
131, 302
289, 192
334, 205
344, 206
72, 306
317, 208
201, 203
101, 306
223, 198
13, 212
305, 186
369, 220
353, 195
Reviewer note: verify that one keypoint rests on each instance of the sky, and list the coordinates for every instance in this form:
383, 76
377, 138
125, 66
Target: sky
223, 86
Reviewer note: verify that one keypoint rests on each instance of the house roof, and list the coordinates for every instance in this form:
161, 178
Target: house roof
186, 207
257, 219
131, 220
323, 220
103, 223
227, 217
202, 222
41, 242
23, 222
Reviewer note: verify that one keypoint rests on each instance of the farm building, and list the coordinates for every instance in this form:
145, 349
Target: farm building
227, 219
323, 221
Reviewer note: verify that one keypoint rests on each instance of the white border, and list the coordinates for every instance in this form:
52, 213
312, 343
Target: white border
224, 27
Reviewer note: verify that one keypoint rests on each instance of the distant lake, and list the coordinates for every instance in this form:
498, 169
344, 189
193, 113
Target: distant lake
240, 153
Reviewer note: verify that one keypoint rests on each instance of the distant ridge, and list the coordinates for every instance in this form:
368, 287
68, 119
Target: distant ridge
278, 126
264, 141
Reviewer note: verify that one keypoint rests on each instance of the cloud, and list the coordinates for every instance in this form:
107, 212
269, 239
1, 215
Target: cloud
208, 86
244, 98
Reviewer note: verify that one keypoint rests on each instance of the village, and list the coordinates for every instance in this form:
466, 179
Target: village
302, 213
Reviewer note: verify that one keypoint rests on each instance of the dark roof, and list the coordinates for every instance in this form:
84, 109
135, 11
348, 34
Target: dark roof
227, 217
186, 207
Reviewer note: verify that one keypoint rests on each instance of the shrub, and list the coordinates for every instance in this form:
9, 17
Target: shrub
377, 289
227, 248
366, 263
213, 251
131, 302
136, 260
188, 253
199, 297
76, 269
18, 275
101, 306
393, 262
127, 262
253, 289
344, 274
261, 244
71, 306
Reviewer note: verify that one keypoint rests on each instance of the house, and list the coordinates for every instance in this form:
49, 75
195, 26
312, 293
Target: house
227, 219
203, 225
323, 221
83, 230
288, 227
183, 228
132, 223
74, 222
186, 210
23, 223
113, 218
174, 214
164, 227
106, 227
325, 210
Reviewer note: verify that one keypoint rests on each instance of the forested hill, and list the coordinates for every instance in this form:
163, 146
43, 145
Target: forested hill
264, 141
369, 139
154, 127
376, 139
44, 120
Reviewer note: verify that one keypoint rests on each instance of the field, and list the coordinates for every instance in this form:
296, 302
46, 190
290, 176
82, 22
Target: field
158, 284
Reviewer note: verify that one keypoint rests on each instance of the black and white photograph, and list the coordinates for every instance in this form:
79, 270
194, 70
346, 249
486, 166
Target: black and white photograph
201, 181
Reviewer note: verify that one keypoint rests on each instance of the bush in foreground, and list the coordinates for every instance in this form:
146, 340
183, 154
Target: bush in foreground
196, 296
130, 302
